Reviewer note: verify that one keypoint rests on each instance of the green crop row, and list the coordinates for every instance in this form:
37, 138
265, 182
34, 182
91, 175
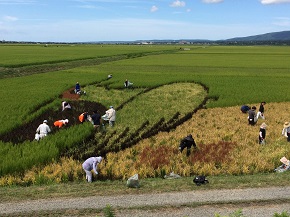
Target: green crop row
18, 158
22, 95
13, 56
234, 79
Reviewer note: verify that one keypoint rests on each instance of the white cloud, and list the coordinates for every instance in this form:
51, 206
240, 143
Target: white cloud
153, 8
212, 1
10, 18
177, 3
125, 29
266, 2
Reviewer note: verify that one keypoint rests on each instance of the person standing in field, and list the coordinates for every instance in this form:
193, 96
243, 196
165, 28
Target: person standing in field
286, 131
42, 130
96, 119
60, 123
262, 134
187, 142
260, 113
252, 118
111, 116
89, 165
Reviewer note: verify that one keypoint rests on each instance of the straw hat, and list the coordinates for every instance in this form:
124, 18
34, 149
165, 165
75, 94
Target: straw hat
284, 160
263, 125
286, 124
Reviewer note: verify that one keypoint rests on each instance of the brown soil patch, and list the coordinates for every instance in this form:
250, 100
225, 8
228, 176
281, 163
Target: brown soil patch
27, 130
70, 94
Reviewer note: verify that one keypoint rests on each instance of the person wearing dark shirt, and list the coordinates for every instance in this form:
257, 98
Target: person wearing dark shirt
77, 88
260, 113
262, 134
187, 142
245, 108
127, 83
252, 116
96, 118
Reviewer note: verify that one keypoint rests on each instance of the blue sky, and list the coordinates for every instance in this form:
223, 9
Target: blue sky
107, 20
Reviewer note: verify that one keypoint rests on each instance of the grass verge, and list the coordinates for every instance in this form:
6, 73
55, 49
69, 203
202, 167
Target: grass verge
153, 185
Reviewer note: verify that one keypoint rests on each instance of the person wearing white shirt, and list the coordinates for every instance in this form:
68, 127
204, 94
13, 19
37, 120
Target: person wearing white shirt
91, 164
111, 116
286, 131
42, 130
65, 105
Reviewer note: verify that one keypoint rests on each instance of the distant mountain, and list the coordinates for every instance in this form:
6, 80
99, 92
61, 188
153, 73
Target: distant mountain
274, 36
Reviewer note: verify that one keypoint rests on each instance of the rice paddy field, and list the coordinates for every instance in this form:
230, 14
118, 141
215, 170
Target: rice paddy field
176, 91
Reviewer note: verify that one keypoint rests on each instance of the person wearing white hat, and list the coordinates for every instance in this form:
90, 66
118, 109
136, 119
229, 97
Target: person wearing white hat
42, 130
285, 165
89, 165
286, 131
60, 123
262, 134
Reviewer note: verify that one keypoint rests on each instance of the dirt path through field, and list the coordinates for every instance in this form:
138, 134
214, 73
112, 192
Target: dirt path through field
256, 202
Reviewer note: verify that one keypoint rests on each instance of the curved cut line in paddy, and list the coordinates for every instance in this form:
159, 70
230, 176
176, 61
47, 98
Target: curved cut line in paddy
27, 131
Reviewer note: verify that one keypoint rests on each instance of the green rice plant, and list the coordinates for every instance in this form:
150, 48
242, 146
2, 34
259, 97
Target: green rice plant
21, 55
182, 97
18, 158
108, 211
232, 76
282, 214
24, 94
237, 213
110, 97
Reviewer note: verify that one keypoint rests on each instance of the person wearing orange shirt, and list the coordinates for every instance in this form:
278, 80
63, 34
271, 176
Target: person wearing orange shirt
60, 123
83, 117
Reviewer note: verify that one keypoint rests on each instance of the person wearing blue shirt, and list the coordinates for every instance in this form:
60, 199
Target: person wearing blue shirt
78, 88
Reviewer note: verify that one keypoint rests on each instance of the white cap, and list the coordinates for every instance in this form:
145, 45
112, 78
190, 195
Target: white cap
99, 159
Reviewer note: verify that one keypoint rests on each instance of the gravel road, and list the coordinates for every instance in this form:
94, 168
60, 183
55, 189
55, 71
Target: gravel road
192, 203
